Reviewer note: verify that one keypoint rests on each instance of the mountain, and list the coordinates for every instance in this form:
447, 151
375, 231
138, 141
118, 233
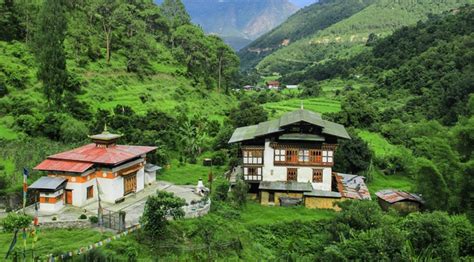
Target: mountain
347, 37
238, 22
305, 22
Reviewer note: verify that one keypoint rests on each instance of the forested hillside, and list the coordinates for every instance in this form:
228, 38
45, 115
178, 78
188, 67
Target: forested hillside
305, 22
347, 37
69, 67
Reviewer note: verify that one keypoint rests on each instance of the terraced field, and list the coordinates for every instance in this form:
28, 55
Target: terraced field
320, 105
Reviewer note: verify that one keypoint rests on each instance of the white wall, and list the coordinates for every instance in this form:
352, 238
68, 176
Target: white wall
305, 174
140, 179
51, 207
79, 191
111, 189
150, 177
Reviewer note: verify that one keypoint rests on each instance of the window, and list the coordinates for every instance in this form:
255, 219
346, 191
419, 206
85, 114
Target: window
303, 156
315, 156
253, 173
90, 192
292, 156
317, 175
292, 174
254, 157
327, 156
280, 155
271, 197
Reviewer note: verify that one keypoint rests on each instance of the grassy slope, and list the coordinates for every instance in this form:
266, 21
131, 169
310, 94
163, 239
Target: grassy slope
346, 38
54, 241
382, 147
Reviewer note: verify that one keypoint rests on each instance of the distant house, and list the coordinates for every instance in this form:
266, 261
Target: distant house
78, 176
289, 160
292, 86
399, 200
273, 84
248, 87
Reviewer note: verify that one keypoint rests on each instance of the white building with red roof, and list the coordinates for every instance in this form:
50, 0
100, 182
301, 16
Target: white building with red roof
78, 176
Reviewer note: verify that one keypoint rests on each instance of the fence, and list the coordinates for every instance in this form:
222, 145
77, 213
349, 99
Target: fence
113, 220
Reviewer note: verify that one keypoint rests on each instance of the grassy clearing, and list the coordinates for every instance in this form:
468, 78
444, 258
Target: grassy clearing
318, 104
255, 213
188, 174
7, 133
54, 241
377, 143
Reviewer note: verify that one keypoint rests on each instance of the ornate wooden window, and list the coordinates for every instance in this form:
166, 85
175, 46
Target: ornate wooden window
317, 175
315, 156
280, 155
292, 156
253, 157
303, 155
292, 174
327, 156
253, 173
90, 192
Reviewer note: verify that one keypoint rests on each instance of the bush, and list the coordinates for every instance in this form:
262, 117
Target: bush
219, 158
94, 219
83, 216
16, 221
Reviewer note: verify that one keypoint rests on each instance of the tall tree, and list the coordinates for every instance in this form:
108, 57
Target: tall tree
176, 13
11, 27
431, 184
227, 62
105, 13
49, 44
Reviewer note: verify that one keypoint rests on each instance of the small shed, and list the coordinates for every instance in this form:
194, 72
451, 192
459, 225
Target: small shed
401, 201
51, 193
150, 173
273, 84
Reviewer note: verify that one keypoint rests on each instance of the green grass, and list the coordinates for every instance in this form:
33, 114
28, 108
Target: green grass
54, 240
7, 133
188, 174
377, 143
381, 181
255, 213
318, 104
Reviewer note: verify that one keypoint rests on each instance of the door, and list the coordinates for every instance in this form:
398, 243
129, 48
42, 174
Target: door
69, 196
130, 183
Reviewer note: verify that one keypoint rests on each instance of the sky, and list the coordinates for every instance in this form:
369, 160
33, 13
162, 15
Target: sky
302, 3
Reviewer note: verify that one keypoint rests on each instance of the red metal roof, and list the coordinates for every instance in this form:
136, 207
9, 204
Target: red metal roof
63, 165
82, 158
393, 195
103, 155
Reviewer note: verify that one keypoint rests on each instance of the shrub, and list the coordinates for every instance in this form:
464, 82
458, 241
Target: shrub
219, 158
54, 218
16, 221
83, 216
94, 219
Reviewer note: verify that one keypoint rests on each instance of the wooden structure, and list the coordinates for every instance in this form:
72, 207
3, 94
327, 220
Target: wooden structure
401, 201
102, 167
291, 157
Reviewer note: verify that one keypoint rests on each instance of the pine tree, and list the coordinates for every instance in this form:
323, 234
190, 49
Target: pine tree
50, 54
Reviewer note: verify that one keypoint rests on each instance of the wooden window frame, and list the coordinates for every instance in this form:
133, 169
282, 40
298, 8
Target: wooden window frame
279, 155
292, 156
317, 175
328, 156
252, 157
90, 192
292, 174
253, 173
303, 156
315, 156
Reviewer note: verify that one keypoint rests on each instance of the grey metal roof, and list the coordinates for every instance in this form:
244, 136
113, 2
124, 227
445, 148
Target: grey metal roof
151, 168
48, 183
322, 193
394, 195
302, 137
354, 186
273, 126
285, 186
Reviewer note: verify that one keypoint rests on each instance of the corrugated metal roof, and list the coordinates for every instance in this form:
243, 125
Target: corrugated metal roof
322, 193
353, 186
48, 183
151, 168
63, 165
393, 196
103, 155
285, 186
274, 126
